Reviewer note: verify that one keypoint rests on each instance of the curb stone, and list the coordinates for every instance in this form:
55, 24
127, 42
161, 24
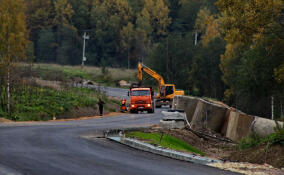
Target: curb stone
118, 137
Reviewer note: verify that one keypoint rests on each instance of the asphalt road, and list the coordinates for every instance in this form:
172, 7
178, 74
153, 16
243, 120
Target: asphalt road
66, 148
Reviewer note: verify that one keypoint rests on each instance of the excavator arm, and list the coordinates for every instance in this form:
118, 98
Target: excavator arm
142, 68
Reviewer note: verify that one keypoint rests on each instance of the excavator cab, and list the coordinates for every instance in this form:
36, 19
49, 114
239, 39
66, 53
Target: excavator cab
167, 90
166, 95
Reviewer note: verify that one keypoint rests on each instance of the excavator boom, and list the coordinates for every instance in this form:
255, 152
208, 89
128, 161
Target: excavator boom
142, 68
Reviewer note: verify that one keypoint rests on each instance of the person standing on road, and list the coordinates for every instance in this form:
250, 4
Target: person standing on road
101, 106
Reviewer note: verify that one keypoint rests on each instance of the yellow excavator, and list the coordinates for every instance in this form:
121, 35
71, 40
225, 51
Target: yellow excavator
166, 92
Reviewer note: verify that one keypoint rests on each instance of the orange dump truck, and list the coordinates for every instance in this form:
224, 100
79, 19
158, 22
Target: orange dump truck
141, 99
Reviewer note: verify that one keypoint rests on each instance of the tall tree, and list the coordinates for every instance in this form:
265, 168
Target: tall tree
82, 11
254, 38
158, 18
66, 33
110, 20
39, 14
63, 13
13, 37
207, 25
205, 74
39, 17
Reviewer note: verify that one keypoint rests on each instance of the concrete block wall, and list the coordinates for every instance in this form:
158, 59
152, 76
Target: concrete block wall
208, 115
238, 125
186, 103
229, 122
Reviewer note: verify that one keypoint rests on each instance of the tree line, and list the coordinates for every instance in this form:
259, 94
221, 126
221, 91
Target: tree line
227, 50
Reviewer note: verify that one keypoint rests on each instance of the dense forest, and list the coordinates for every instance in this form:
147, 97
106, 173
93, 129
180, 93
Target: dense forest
230, 50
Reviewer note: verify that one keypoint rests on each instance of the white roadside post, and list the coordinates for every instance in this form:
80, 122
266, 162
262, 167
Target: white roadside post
85, 36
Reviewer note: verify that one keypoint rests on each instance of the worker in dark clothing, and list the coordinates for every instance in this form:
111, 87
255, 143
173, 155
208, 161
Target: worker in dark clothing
101, 106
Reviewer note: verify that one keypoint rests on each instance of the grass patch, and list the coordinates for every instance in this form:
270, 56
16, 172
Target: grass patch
29, 103
96, 74
166, 141
36, 103
70, 73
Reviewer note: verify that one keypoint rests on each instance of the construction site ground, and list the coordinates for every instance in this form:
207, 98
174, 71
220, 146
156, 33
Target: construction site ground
218, 147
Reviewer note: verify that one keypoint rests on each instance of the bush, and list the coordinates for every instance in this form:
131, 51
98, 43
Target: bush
35, 103
272, 139
249, 142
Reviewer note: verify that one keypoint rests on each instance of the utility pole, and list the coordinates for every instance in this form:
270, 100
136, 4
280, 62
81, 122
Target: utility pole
85, 36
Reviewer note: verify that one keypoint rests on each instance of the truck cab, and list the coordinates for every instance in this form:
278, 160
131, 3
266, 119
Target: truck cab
141, 99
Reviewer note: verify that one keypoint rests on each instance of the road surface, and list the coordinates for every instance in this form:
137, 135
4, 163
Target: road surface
59, 148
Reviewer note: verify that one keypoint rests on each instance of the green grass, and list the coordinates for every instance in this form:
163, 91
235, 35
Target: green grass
69, 73
65, 73
37, 103
40, 104
275, 138
167, 141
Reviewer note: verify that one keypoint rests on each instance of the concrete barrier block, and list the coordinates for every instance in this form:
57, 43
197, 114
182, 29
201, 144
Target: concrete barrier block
208, 115
172, 124
186, 103
226, 122
172, 115
263, 127
238, 125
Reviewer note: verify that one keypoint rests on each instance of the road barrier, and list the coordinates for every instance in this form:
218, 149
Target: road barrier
230, 122
263, 127
186, 103
238, 125
209, 116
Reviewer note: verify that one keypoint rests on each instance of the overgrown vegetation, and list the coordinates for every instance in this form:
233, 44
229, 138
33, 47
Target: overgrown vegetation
164, 140
44, 91
75, 74
272, 139
31, 103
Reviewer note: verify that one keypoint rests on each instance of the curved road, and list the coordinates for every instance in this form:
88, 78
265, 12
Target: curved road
65, 148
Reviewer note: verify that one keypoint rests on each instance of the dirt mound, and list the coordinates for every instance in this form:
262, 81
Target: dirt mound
88, 112
274, 155
3, 120
79, 112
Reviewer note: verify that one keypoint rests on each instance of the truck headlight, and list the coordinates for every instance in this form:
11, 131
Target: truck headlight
133, 106
149, 105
